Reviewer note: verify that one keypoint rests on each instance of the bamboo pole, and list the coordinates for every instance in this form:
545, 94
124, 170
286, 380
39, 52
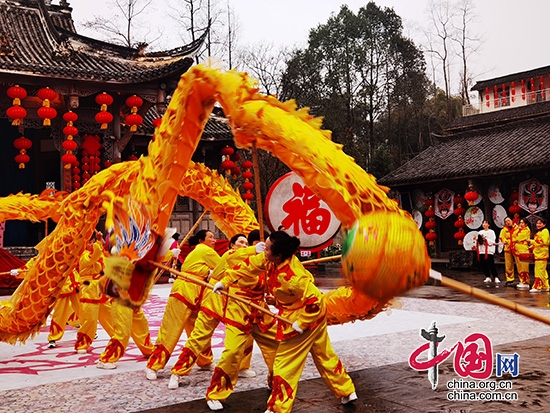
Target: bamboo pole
180, 246
256, 167
9, 272
321, 260
202, 283
491, 298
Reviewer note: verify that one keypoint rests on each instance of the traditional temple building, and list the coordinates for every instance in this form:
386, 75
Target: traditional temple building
497, 155
71, 105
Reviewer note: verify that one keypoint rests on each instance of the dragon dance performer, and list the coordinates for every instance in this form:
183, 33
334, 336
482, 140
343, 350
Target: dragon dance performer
184, 303
520, 239
300, 301
92, 298
505, 237
66, 309
213, 310
540, 243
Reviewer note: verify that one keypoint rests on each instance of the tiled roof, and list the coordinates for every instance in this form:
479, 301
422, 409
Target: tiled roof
511, 147
40, 40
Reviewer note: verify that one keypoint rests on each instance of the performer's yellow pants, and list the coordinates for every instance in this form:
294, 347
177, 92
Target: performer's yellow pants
177, 316
92, 310
65, 308
509, 266
523, 270
290, 361
541, 275
126, 323
200, 340
226, 373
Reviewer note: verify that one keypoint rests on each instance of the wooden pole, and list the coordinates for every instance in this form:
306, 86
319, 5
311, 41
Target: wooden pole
202, 283
323, 259
256, 167
491, 298
180, 246
9, 272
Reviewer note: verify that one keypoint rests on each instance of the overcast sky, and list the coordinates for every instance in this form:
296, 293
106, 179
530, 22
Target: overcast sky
513, 33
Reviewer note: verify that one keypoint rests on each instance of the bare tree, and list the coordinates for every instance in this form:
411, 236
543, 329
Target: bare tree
468, 44
119, 26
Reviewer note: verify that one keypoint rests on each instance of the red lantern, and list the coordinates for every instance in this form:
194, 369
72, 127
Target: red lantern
23, 144
17, 93
247, 164
16, 113
134, 120
46, 112
459, 236
431, 237
514, 208
156, 122
227, 165
69, 145
458, 199
68, 158
228, 151
134, 102
247, 175
103, 117
22, 159
248, 196
107, 163
235, 172
431, 224
514, 196
430, 213
459, 211
76, 185
459, 223
248, 186
132, 158
429, 202
70, 117
471, 197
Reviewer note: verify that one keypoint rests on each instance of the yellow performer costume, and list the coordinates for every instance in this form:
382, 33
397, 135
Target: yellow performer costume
520, 240
91, 298
213, 310
506, 238
540, 244
184, 300
242, 322
66, 309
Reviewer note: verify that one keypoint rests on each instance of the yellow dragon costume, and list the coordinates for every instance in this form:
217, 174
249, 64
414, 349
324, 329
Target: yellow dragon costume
155, 180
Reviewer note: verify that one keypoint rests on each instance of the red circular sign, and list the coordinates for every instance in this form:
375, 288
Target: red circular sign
291, 204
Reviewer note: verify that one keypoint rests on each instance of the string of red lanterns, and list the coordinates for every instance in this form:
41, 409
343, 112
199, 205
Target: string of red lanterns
459, 224
103, 117
514, 208
430, 225
46, 112
247, 184
133, 119
227, 163
16, 112
69, 143
23, 144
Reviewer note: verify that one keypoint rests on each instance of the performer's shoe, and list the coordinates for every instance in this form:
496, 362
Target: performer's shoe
522, 286
214, 405
348, 399
208, 367
497, 280
487, 280
150, 374
105, 365
81, 351
509, 283
174, 382
535, 290
269, 411
52, 344
247, 373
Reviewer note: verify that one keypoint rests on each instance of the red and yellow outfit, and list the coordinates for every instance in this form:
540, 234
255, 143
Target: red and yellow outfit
66, 307
182, 307
540, 244
506, 237
91, 298
242, 322
212, 311
125, 322
520, 240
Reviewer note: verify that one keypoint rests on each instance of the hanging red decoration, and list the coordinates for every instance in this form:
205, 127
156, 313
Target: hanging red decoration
132, 158
471, 195
487, 98
430, 224
532, 82
523, 89
503, 93
235, 172
103, 117
459, 236
69, 144
17, 93
542, 88
430, 213
156, 122
247, 185
513, 91
227, 151
16, 113
133, 119
431, 237
107, 163
23, 144
91, 145
495, 95
46, 112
